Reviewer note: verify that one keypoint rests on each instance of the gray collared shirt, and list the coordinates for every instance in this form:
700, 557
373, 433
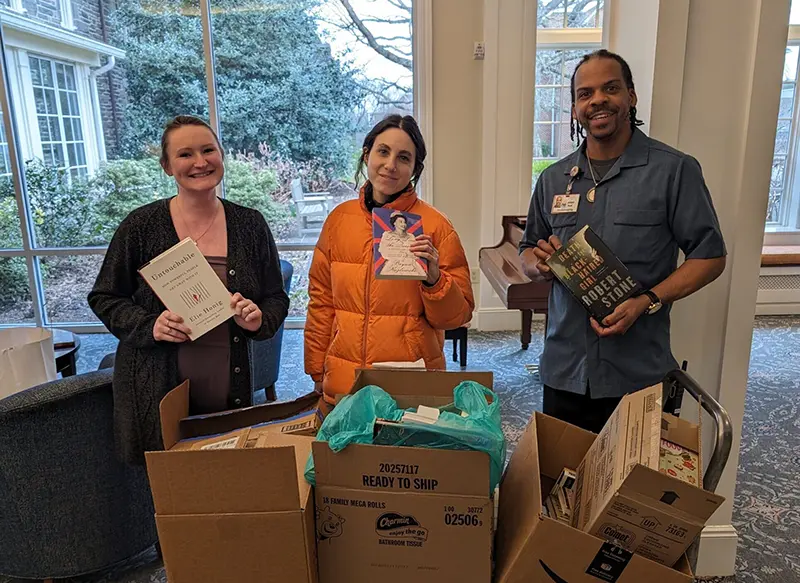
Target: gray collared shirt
651, 203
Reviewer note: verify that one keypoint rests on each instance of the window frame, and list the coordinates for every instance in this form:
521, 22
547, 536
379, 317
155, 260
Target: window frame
786, 230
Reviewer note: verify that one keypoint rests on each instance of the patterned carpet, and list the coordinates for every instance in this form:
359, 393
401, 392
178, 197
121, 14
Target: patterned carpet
767, 506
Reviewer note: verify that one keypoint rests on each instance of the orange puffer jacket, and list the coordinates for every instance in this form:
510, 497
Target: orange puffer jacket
355, 320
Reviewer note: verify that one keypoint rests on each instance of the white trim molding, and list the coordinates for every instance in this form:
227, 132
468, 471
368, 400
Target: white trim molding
569, 38
422, 47
15, 21
717, 553
494, 319
67, 20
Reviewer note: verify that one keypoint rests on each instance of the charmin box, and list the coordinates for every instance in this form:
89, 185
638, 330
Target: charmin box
400, 514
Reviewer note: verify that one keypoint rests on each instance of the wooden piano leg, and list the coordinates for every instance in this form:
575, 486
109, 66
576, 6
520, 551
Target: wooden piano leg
525, 337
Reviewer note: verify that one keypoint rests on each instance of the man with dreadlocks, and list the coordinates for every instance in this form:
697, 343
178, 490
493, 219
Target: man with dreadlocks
646, 201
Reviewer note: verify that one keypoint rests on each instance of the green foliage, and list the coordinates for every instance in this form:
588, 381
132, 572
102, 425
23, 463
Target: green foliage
13, 280
540, 166
277, 81
254, 187
124, 185
62, 210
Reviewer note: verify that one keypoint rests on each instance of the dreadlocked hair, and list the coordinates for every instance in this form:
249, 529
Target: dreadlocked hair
576, 131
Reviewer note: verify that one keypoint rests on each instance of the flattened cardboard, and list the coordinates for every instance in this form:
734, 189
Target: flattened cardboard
213, 423
399, 514
531, 548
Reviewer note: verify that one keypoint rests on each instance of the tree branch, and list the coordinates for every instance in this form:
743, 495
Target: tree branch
401, 5
370, 40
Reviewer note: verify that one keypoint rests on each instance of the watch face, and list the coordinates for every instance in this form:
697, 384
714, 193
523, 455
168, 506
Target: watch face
654, 308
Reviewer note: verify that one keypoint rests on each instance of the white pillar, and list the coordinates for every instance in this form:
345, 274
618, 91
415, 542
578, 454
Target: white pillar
715, 73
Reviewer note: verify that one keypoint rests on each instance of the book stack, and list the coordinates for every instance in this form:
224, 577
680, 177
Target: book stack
560, 501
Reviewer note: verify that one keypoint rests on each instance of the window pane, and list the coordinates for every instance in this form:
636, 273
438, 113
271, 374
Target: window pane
67, 281
77, 132
36, 77
62, 83
73, 104
782, 137
15, 296
553, 103
776, 189
794, 17
298, 294
55, 129
38, 97
69, 72
570, 14
50, 101
790, 64
47, 73
10, 234
44, 128
153, 93
319, 92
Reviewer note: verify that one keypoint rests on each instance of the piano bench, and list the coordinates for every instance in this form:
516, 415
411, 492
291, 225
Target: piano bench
459, 337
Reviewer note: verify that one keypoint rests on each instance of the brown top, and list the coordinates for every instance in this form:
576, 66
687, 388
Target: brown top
206, 361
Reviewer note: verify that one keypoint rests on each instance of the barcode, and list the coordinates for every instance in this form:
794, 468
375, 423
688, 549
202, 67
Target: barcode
650, 403
226, 444
609, 481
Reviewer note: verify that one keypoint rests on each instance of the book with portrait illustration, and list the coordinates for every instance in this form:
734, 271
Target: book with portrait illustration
393, 233
187, 285
593, 274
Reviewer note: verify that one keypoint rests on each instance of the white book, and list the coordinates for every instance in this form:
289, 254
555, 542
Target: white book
188, 286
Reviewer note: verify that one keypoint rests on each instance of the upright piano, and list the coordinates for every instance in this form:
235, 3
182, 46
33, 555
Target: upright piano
502, 266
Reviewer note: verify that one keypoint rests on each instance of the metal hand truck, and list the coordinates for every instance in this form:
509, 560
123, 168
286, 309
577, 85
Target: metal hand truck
675, 383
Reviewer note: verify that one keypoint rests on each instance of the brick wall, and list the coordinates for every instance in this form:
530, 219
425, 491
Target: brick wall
44, 10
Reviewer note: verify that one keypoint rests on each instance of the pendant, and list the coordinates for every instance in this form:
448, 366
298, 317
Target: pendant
590, 195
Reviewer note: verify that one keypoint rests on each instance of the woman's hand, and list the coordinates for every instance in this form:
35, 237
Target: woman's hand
169, 327
246, 313
423, 247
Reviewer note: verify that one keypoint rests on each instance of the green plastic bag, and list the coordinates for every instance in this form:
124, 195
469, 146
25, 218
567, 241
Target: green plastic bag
470, 423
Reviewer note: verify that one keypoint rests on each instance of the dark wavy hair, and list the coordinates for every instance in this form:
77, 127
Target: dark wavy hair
409, 125
576, 129
179, 122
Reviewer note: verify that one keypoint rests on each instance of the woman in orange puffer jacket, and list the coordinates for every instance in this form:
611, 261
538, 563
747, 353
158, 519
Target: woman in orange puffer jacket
355, 320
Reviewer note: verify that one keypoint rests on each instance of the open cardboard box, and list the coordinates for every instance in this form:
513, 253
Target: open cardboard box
232, 515
532, 548
400, 514
620, 494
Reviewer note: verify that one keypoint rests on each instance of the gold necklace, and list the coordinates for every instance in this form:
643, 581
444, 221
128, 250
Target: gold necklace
185, 224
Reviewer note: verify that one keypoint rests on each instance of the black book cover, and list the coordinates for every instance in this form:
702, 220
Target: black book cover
593, 274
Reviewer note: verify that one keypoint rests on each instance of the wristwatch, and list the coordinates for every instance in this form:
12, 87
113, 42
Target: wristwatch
655, 302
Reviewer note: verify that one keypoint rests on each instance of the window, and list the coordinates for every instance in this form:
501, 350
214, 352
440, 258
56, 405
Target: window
783, 209
56, 96
292, 108
558, 52
335, 71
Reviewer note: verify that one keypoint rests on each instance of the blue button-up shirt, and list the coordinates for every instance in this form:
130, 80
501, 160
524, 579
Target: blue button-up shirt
650, 204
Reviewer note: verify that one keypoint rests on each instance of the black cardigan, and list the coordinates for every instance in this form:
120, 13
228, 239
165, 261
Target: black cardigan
146, 369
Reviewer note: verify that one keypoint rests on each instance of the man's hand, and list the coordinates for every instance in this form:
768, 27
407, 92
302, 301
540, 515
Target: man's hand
544, 249
621, 319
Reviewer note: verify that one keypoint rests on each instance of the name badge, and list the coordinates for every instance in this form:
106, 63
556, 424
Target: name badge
565, 203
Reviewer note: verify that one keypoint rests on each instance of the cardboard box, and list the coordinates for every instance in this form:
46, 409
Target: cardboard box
399, 514
232, 515
532, 548
630, 502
